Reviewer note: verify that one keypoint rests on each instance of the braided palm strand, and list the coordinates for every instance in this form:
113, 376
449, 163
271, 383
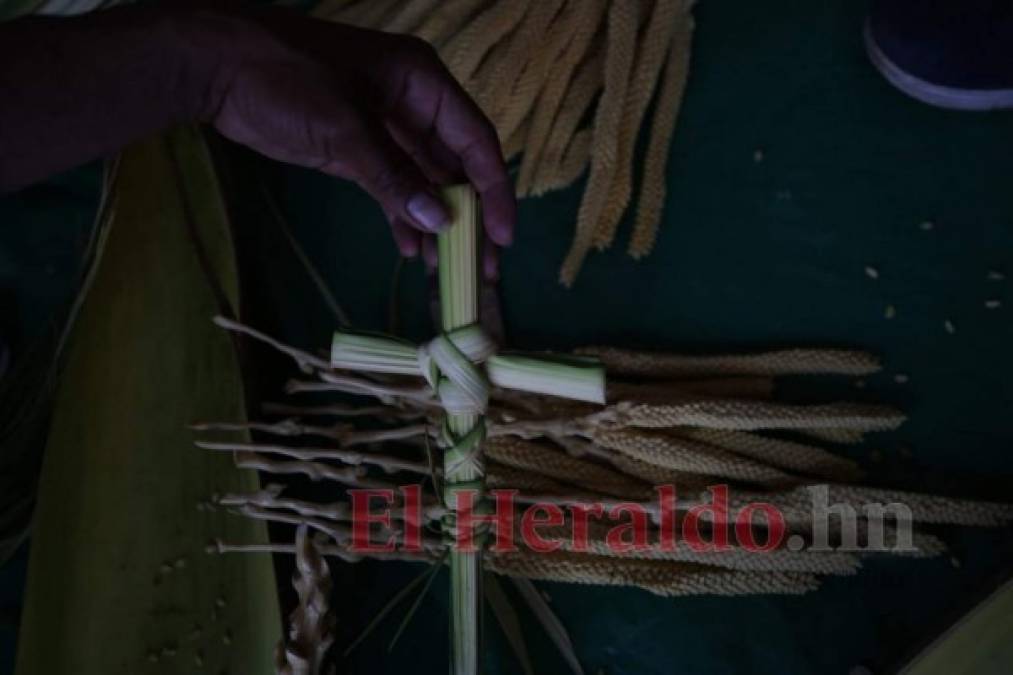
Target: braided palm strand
447, 21
565, 144
654, 183
518, 60
787, 455
665, 578
797, 504
650, 474
495, 83
411, 15
830, 563
746, 415
512, 107
573, 163
690, 456
830, 435
622, 34
566, 452
521, 454
503, 476
312, 625
654, 48
782, 362
656, 392
514, 144
659, 475
584, 29
374, 14
465, 50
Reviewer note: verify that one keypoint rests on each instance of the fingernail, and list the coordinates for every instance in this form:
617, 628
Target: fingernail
428, 212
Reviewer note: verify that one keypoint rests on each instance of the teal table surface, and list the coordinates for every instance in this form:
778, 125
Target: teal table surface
752, 254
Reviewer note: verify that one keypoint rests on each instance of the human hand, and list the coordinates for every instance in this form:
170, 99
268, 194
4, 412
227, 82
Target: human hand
376, 108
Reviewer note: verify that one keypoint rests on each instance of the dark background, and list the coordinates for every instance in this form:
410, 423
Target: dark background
751, 254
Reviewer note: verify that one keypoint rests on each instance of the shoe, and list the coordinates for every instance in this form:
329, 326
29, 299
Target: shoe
955, 54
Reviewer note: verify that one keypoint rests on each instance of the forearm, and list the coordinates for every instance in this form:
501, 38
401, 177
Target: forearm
72, 90
377, 108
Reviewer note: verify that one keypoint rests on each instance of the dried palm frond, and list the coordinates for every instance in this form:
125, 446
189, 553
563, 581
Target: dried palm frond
567, 453
311, 629
537, 68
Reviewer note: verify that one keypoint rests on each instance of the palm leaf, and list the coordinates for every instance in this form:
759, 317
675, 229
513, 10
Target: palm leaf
26, 395
119, 581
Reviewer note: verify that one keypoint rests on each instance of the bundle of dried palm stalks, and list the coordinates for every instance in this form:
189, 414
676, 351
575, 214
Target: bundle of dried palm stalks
687, 421
311, 630
568, 84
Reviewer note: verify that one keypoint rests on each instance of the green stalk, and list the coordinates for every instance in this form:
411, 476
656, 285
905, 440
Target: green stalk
450, 363
458, 270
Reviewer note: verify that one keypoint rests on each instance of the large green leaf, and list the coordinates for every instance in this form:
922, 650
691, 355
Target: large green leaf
119, 581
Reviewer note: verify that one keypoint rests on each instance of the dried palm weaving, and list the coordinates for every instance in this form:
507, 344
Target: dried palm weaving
568, 84
311, 623
690, 421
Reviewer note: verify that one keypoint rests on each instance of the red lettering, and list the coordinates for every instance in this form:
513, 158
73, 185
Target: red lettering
579, 514
718, 518
637, 527
744, 527
362, 518
531, 521
412, 517
501, 520
667, 525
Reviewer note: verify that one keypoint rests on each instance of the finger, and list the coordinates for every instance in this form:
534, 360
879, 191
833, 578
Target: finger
429, 251
438, 164
407, 238
490, 261
465, 131
432, 103
367, 154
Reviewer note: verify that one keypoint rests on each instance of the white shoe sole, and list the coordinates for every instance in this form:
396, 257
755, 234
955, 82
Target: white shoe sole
934, 94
